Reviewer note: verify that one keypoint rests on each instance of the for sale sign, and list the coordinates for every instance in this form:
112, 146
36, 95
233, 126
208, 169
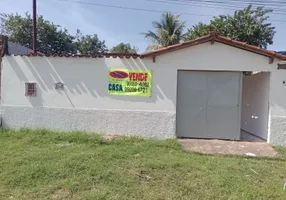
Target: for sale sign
130, 82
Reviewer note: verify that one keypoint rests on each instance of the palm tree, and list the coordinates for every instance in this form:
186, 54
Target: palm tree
169, 31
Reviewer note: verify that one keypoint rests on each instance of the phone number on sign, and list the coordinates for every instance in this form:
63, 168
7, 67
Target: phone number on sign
134, 84
134, 89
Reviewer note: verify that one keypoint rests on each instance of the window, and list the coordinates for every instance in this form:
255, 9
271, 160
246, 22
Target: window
30, 89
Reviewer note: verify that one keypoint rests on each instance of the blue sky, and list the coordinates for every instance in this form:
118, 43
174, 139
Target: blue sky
118, 25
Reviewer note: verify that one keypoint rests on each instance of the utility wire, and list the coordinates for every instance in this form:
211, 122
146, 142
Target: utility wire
226, 7
250, 1
129, 8
275, 8
230, 2
260, 3
226, 4
140, 9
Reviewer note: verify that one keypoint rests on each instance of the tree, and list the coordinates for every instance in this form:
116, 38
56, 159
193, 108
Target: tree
89, 44
51, 38
198, 30
168, 31
124, 48
247, 25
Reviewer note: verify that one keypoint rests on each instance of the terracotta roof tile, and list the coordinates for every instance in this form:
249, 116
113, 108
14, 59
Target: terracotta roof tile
106, 55
212, 37
217, 38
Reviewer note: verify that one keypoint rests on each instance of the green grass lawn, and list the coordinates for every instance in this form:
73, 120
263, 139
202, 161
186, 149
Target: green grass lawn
49, 165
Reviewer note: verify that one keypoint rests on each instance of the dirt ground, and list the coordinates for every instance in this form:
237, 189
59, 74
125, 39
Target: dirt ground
259, 149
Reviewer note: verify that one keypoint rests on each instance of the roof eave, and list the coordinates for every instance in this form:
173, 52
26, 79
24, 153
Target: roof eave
178, 46
216, 38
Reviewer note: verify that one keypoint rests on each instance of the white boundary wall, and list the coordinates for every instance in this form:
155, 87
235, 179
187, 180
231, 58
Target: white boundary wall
255, 104
277, 119
85, 103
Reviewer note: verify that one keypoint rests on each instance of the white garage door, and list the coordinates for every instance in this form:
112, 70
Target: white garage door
208, 104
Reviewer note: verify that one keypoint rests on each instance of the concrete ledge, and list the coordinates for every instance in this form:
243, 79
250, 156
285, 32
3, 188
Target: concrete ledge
120, 122
278, 131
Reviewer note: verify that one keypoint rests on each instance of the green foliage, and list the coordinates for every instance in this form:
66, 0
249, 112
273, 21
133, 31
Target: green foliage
281, 151
124, 48
198, 30
247, 25
51, 38
42, 164
21, 27
168, 31
89, 44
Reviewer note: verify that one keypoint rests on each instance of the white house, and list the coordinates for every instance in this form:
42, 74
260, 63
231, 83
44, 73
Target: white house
198, 89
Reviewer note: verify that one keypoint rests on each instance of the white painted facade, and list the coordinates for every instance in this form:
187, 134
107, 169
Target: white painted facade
277, 102
255, 104
86, 105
